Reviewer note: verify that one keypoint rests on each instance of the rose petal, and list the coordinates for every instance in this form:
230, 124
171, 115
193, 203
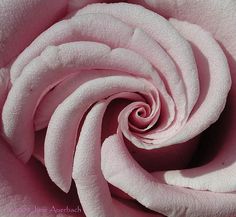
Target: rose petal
129, 209
206, 113
62, 129
214, 73
87, 27
21, 196
27, 92
226, 152
122, 171
36, 80
22, 21
92, 188
56, 96
168, 38
25, 189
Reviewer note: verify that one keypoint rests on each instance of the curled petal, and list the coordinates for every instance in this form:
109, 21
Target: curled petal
122, 171
92, 188
62, 129
50, 68
213, 69
167, 36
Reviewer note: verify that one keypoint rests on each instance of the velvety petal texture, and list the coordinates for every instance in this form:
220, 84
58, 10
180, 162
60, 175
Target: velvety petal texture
22, 21
220, 20
24, 191
113, 100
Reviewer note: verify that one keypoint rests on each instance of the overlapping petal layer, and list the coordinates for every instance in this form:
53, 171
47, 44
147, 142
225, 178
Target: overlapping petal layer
165, 72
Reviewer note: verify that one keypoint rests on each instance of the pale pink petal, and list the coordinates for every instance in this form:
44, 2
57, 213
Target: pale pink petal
56, 96
25, 189
214, 70
21, 21
123, 172
92, 188
62, 129
21, 197
170, 157
36, 81
26, 93
160, 30
131, 209
87, 27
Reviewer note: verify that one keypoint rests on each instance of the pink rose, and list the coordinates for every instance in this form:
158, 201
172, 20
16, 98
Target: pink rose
109, 101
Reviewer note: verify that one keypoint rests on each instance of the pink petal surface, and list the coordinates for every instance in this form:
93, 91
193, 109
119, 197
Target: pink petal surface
165, 72
22, 21
169, 39
24, 191
123, 172
94, 194
210, 49
221, 23
60, 141
56, 96
129, 17
34, 193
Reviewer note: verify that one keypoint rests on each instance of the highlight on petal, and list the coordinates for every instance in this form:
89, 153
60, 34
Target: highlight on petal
91, 186
26, 93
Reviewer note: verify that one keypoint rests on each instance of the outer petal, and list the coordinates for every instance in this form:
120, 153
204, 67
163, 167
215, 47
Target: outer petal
22, 21
214, 77
25, 189
131, 209
33, 191
123, 172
